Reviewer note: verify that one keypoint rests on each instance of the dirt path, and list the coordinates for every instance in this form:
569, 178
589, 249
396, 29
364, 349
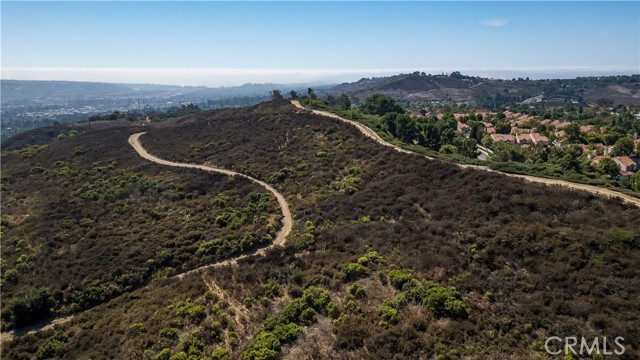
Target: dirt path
134, 141
32, 329
577, 186
287, 219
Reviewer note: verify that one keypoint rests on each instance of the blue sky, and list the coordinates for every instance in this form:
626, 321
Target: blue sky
219, 43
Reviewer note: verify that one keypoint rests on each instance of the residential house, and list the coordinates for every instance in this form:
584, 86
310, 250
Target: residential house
464, 129
596, 160
523, 139
624, 175
504, 138
586, 129
539, 139
488, 127
560, 124
626, 163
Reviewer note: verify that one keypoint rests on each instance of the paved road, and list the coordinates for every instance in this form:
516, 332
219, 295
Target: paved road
596, 190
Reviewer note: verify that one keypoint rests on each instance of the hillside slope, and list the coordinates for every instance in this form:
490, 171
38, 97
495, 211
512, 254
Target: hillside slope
379, 239
482, 91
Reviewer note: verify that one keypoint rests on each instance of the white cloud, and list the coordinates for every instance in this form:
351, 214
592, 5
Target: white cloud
494, 22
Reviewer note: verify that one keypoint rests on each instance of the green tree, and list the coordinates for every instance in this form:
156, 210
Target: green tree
276, 95
635, 182
293, 94
406, 127
345, 102
312, 94
573, 133
379, 104
508, 152
430, 136
624, 146
613, 134
466, 147
503, 127
29, 305
389, 120
608, 167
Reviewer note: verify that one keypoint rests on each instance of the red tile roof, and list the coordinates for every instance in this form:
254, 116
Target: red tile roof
536, 138
626, 161
503, 137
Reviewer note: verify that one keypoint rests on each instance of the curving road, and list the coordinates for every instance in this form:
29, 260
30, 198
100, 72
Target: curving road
577, 186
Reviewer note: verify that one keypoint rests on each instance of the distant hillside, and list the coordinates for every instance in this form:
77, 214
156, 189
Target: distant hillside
459, 88
16, 90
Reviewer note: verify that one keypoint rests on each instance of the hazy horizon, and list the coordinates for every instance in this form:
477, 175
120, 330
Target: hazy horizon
238, 77
232, 43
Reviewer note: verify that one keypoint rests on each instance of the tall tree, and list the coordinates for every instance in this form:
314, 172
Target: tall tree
379, 104
624, 146
276, 95
609, 167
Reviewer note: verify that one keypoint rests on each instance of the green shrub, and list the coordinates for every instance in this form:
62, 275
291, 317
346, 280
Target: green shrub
179, 356
297, 276
399, 278
29, 305
619, 238
388, 313
10, 276
443, 301
316, 297
373, 257
53, 346
357, 291
165, 354
271, 289
354, 271
220, 354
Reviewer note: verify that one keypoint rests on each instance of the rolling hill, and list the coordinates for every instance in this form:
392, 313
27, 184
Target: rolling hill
456, 87
391, 255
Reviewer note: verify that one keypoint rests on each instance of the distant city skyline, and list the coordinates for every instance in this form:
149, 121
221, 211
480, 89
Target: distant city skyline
231, 43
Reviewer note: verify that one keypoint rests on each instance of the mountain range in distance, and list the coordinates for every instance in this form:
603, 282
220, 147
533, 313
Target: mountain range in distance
29, 104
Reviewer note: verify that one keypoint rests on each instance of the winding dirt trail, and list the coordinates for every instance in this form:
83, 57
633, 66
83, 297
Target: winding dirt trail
134, 141
287, 219
568, 184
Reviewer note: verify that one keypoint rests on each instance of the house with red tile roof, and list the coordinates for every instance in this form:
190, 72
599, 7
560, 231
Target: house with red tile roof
624, 175
626, 163
504, 138
488, 127
464, 129
596, 160
586, 128
523, 139
539, 139
560, 124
